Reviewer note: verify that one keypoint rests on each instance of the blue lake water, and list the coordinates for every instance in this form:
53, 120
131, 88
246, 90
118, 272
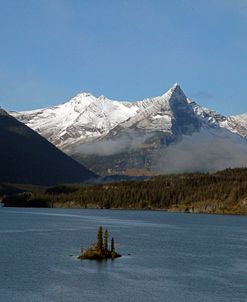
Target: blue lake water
167, 257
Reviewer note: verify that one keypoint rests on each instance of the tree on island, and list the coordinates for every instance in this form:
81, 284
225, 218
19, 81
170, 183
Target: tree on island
99, 244
99, 251
106, 235
112, 246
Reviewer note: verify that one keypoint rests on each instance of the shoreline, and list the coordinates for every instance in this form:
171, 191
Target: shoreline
132, 209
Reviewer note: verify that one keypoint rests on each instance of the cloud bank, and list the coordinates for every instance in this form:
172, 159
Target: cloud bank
199, 153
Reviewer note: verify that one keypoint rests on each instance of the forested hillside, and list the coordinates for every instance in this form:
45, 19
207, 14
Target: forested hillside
222, 192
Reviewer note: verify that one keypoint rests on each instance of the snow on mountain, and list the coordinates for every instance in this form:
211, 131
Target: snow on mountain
168, 133
86, 118
238, 124
82, 119
159, 113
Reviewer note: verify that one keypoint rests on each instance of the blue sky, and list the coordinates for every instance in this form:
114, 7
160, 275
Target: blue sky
130, 49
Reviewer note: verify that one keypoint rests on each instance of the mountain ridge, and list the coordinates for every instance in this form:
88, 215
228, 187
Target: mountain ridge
112, 114
86, 126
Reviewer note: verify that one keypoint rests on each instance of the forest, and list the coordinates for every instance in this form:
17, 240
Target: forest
223, 192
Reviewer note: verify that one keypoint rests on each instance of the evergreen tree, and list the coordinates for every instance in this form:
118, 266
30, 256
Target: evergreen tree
106, 240
99, 244
112, 245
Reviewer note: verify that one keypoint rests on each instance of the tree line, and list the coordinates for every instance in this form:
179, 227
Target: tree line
226, 188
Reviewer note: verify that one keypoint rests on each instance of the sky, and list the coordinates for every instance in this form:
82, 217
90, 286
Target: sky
50, 50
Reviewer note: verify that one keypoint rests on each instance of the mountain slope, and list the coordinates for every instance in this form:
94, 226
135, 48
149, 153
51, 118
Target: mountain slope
27, 157
156, 135
171, 134
86, 118
82, 119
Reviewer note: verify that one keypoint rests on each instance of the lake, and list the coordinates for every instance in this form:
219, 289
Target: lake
166, 256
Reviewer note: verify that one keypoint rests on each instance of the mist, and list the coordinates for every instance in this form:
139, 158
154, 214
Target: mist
128, 141
202, 153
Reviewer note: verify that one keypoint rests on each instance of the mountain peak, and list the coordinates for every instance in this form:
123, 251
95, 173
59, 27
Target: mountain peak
177, 89
85, 94
175, 85
175, 93
82, 99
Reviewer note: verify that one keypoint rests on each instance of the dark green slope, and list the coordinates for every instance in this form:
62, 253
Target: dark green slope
27, 157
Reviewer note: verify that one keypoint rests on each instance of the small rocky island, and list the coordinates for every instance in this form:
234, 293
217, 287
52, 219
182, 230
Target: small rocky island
99, 250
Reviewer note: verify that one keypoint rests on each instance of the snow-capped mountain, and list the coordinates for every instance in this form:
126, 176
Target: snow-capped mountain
159, 114
82, 119
117, 136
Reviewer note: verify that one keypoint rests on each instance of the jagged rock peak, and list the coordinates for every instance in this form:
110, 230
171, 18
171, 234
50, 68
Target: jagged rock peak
175, 86
176, 89
176, 93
